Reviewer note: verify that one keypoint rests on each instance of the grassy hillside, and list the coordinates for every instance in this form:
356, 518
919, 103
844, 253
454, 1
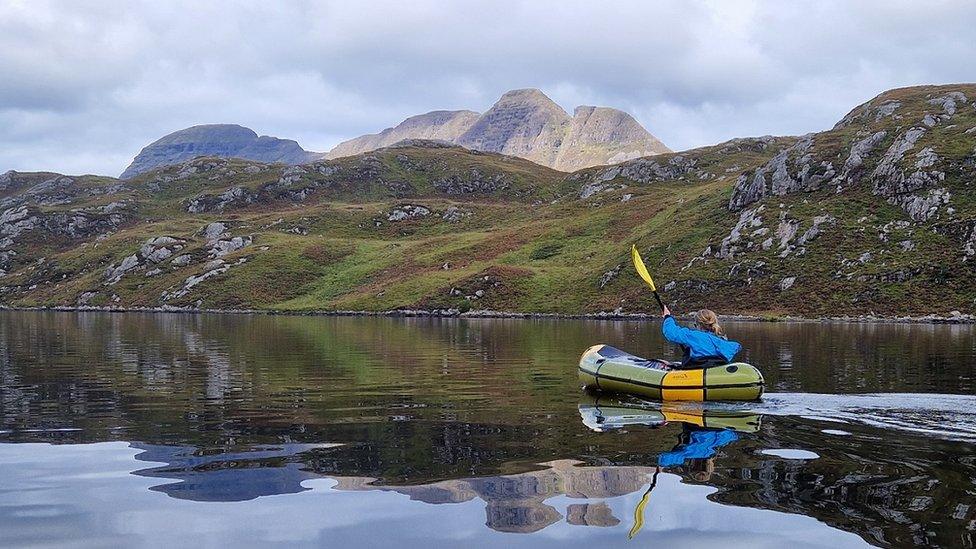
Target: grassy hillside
875, 215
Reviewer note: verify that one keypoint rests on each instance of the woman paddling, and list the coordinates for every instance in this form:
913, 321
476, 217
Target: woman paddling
705, 345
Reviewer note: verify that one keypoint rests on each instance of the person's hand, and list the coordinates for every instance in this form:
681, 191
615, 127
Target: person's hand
665, 311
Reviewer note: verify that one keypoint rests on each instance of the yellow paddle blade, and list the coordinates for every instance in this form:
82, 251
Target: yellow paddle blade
639, 515
641, 269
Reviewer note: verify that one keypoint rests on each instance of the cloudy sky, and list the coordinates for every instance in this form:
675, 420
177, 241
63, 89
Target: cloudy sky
85, 84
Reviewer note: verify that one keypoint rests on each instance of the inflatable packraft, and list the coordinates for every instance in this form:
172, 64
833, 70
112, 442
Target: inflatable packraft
605, 368
604, 414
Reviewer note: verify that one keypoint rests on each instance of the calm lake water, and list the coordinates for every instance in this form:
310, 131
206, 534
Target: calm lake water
219, 430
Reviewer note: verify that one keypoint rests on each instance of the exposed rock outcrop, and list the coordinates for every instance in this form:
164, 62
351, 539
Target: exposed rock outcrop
235, 196
473, 182
872, 111
154, 250
641, 170
220, 241
212, 269
792, 169
453, 214
854, 165
407, 211
911, 188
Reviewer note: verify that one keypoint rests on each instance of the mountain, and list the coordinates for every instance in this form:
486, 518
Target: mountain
876, 215
437, 125
601, 135
523, 123
224, 140
527, 124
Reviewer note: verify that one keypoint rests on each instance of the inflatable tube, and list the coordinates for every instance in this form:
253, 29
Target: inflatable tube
605, 368
603, 414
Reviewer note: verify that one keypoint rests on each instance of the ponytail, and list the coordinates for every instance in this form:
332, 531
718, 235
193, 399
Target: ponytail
707, 321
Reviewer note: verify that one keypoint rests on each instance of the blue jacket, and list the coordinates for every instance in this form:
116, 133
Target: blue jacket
699, 345
701, 444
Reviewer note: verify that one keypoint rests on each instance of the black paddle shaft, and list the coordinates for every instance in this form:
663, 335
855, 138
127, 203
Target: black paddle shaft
658, 298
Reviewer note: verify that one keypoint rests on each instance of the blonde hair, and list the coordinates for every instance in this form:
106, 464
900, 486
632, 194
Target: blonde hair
707, 320
701, 468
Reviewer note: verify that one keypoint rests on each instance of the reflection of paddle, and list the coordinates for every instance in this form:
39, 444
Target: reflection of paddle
639, 510
642, 271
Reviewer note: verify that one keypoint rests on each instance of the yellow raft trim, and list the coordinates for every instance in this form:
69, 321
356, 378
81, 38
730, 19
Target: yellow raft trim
683, 385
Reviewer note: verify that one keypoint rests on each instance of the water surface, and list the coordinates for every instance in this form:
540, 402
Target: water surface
182, 430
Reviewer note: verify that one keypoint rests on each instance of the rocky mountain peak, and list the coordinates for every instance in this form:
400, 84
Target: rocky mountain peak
434, 125
202, 132
222, 140
604, 135
528, 124
887, 106
529, 96
523, 123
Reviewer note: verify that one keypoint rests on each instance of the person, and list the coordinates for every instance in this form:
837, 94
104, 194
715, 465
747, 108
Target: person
704, 345
697, 447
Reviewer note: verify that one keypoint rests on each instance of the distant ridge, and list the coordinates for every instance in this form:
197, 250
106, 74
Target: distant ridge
223, 140
528, 124
435, 126
524, 123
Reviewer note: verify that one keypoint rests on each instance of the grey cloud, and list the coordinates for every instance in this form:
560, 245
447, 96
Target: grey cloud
85, 85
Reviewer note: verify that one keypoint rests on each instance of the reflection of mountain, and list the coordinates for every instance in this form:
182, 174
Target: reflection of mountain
516, 503
416, 401
889, 495
240, 475
591, 514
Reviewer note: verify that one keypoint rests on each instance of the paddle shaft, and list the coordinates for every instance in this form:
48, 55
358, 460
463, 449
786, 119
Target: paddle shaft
646, 276
639, 510
658, 298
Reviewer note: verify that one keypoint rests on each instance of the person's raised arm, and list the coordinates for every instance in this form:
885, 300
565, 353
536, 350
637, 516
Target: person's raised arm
671, 330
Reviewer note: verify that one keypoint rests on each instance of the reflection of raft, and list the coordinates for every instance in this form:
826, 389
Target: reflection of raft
608, 369
601, 414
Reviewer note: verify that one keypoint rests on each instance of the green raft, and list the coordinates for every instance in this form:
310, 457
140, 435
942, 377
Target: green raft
602, 414
605, 368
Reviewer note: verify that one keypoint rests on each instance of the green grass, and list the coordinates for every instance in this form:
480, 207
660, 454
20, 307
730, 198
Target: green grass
543, 249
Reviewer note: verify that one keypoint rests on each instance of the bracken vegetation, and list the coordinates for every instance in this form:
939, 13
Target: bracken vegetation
877, 215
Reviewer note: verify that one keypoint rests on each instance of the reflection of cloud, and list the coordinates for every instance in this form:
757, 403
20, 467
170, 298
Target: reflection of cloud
516, 503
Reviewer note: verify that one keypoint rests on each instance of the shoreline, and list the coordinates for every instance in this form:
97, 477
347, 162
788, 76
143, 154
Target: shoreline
955, 317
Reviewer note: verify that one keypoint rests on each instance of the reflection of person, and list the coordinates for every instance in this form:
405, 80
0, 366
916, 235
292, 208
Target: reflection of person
703, 345
701, 469
696, 444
